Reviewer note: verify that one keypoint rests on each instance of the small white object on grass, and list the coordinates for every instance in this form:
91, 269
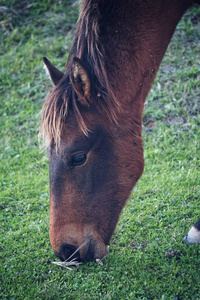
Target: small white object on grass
73, 263
67, 264
99, 262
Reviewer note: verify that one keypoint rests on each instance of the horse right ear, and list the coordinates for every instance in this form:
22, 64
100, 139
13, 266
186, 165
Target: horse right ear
52, 71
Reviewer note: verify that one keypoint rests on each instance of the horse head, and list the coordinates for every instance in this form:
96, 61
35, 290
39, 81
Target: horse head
94, 162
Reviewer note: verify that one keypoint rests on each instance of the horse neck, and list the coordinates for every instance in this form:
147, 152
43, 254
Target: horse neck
135, 38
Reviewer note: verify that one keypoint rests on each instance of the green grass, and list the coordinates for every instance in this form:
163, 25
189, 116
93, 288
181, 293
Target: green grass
147, 258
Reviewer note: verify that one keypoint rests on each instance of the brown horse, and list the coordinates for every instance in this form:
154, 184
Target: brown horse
92, 119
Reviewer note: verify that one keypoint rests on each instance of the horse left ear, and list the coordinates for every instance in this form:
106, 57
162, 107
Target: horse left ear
81, 81
52, 71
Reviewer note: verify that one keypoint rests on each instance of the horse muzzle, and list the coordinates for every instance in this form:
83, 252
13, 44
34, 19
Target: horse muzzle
89, 250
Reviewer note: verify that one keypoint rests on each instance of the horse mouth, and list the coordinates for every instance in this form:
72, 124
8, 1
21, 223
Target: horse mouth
90, 250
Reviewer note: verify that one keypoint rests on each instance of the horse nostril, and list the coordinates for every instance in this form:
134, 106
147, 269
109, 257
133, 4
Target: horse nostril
68, 251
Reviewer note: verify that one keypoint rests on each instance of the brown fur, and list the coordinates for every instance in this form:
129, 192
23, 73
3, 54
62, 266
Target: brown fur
96, 110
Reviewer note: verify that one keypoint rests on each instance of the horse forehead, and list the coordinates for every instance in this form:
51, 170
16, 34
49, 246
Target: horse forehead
72, 130
71, 134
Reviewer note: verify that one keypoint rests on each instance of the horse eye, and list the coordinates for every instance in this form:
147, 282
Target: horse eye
78, 159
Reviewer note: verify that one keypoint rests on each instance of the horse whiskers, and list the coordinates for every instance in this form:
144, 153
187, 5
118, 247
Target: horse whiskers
68, 259
73, 262
67, 264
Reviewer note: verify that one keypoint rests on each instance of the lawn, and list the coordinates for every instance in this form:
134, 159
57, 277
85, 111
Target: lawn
147, 258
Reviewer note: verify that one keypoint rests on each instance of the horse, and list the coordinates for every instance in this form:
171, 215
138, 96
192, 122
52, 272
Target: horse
91, 120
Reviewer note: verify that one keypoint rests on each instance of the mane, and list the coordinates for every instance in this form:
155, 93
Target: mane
88, 47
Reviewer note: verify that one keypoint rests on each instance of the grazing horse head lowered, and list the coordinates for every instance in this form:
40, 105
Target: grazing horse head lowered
92, 118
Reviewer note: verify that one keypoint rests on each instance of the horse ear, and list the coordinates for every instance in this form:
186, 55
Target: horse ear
80, 81
52, 71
